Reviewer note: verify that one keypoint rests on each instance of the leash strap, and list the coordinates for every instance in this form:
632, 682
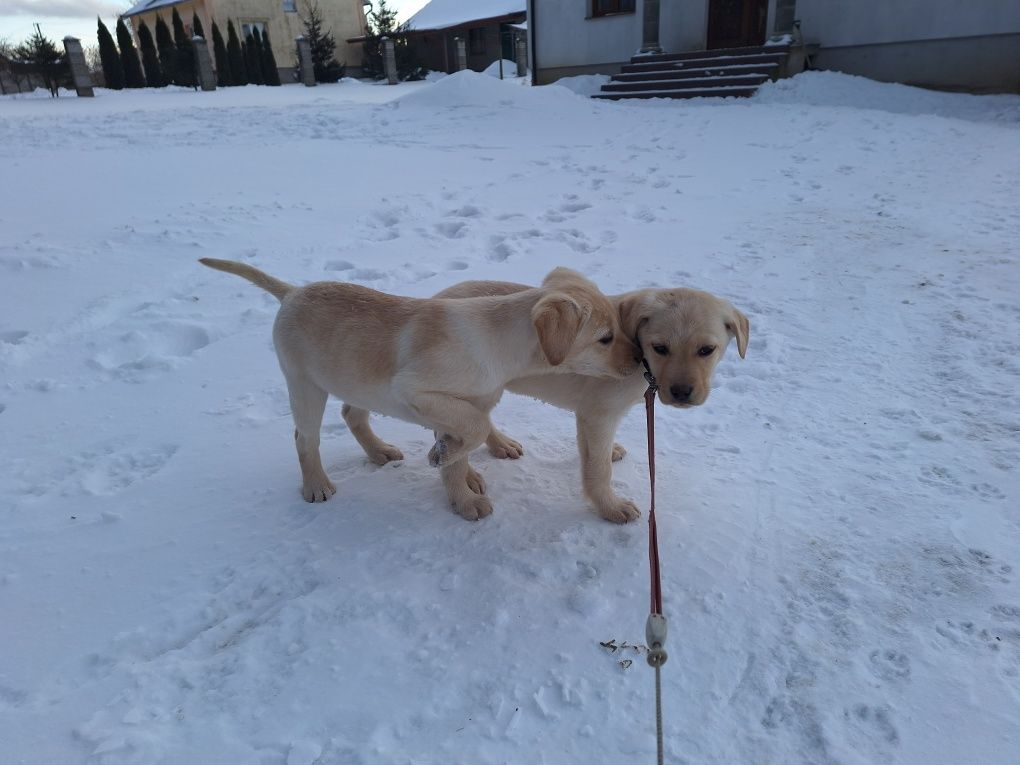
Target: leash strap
655, 627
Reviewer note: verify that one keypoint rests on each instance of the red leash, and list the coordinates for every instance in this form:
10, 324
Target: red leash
655, 627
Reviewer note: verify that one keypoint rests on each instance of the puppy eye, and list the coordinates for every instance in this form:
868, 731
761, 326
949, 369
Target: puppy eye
607, 339
706, 350
662, 350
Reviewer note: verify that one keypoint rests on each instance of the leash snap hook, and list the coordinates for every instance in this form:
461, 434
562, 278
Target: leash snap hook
655, 637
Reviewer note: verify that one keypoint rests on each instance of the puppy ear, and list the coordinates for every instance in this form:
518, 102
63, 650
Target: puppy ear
634, 308
738, 326
557, 321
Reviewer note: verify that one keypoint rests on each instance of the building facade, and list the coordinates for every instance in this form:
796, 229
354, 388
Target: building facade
973, 46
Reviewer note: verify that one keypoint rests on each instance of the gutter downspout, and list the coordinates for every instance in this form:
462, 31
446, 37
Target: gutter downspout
532, 38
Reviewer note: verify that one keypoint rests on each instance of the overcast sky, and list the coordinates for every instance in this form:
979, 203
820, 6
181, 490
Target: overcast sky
77, 18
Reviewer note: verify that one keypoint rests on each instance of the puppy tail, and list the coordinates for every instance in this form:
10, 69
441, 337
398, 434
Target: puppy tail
275, 287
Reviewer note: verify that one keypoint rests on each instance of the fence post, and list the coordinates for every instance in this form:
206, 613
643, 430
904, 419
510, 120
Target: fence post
521, 49
304, 51
79, 69
389, 60
461, 53
203, 64
650, 28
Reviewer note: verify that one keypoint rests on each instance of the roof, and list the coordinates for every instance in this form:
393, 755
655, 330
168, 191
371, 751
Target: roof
443, 14
149, 5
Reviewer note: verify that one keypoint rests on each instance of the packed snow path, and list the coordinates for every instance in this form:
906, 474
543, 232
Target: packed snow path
839, 524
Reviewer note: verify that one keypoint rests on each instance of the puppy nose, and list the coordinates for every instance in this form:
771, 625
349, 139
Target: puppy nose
681, 393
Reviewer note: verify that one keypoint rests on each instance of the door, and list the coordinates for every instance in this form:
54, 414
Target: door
736, 23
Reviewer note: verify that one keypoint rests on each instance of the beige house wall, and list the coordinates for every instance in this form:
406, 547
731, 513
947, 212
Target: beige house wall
344, 18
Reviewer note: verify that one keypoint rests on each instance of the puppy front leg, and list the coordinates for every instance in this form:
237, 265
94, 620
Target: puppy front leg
377, 450
595, 444
460, 426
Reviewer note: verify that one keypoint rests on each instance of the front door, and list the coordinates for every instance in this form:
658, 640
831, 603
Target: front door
736, 23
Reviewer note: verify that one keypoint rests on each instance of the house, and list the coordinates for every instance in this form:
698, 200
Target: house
282, 18
946, 44
484, 25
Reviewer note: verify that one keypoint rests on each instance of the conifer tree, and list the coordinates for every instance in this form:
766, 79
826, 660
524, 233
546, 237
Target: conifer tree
113, 69
223, 76
252, 59
269, 69
150, 58
323, 46
167, 52
41, 52
235, 57
196, 26
133, 77
185, 53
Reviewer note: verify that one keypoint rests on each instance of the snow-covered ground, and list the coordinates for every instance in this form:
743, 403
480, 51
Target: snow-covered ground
839, 523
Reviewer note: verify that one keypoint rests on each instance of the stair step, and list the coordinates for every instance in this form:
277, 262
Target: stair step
753, 70
702, 63
681, 93
716, 52
700, 83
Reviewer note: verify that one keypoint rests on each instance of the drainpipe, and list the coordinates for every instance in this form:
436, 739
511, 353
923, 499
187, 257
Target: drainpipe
650, 28
532, 38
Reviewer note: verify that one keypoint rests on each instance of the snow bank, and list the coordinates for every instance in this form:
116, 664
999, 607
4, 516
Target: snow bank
846, 90
474, 89
583, 84
509, 69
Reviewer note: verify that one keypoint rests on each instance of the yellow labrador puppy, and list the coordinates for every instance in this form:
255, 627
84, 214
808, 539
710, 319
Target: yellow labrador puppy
682, 334
438, 363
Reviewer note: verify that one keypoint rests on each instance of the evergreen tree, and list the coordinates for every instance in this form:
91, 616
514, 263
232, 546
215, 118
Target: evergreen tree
113, 69
150, 58
323, 46
196, 26
185, 53
252, 59
167, 52
385, 25
235, 56
223, 76
41, 52
133, 77
269, 69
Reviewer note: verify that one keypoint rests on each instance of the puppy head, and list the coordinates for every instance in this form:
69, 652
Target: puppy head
682, 334
579, 329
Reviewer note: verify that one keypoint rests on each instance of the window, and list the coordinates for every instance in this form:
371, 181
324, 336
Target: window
609, 7
476, 41
290, 6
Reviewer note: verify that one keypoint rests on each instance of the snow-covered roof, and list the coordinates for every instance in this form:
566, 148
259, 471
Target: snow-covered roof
149, 5
443, 14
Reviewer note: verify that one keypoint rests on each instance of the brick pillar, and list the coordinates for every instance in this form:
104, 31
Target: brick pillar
521, 51
461, 53
203, 64
389, 60
304, 51
650, 27
79, 69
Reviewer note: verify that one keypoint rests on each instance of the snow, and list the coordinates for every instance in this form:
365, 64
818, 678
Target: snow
149, 5
838, 523
442, 14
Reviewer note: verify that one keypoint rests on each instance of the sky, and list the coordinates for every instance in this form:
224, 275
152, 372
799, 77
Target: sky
77, 18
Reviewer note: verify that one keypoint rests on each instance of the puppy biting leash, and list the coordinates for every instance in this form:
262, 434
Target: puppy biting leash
655, 627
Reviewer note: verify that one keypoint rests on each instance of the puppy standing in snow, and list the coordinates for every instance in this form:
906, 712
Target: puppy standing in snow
438, 363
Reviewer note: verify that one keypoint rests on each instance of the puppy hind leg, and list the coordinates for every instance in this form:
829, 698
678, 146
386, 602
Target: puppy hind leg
502, 447
307, 405
378, 451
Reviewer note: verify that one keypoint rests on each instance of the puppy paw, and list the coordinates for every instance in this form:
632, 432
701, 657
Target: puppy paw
618, 452
475, 482
503, 448
473, 508
319, 490
386, 453
620, 511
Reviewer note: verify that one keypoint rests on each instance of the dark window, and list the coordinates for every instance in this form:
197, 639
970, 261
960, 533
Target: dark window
476, 41
607, 7
290, 6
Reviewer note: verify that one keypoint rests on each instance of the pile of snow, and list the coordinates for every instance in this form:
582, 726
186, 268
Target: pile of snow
845, 90
583, 84
509, 69
475, 89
